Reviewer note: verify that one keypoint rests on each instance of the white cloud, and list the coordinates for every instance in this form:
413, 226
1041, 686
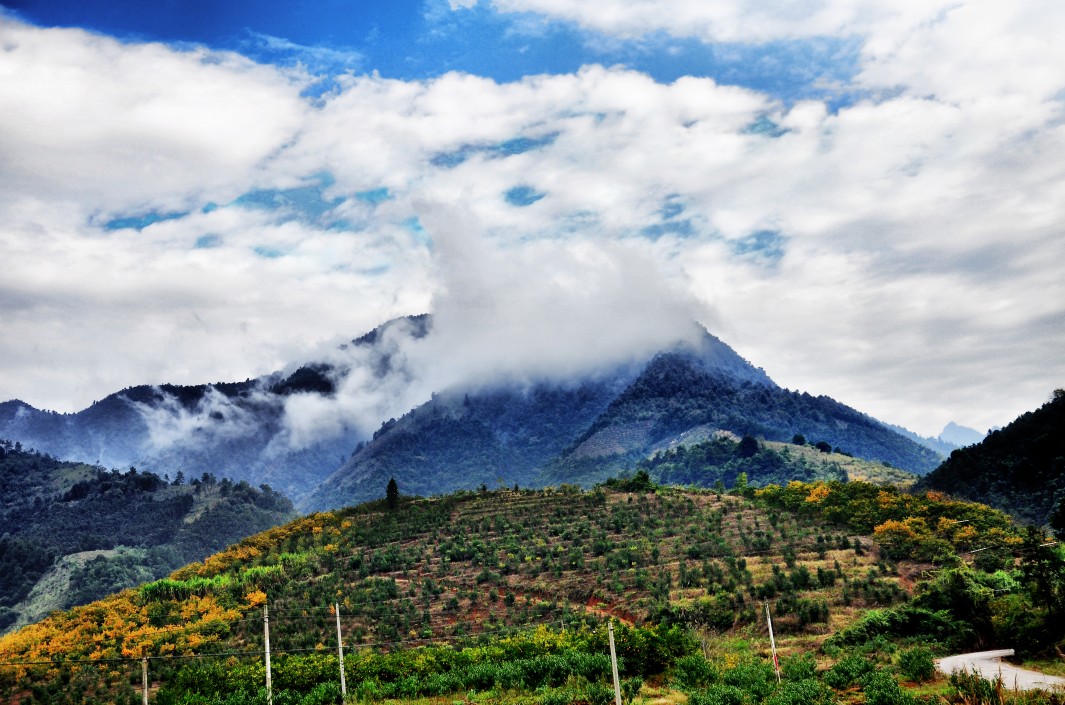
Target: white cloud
745, 21
920, 278
115, 126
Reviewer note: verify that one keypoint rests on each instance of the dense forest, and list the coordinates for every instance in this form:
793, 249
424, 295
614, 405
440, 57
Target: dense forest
503, 596
1019, 468
720, 462
106, 529
547, 434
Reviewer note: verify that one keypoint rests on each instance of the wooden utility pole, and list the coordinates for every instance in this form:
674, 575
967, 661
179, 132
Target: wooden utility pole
340, 653
266, 636
614, 665
144, 675
772, 642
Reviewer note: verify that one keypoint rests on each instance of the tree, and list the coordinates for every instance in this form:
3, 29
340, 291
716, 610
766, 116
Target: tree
748, 446
798, 439
392, 495
1057, 520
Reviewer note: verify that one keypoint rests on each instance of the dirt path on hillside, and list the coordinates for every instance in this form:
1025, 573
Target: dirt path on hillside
989, 665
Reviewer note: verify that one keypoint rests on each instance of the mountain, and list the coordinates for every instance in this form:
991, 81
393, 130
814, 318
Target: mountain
307, 433
1019, 468
938, 444
239, 430
676, 394
960, 436
583, 431
73, 533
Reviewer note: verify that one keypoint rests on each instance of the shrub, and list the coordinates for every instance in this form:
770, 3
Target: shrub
917, 664
881, 688
717, 695
692, 672
802, 692
630, 688
559, 696
799, 667
754, 677
848, 671
599, 694
971, 688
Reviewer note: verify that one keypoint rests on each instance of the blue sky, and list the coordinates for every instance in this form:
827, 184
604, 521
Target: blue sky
422, 39
864, 197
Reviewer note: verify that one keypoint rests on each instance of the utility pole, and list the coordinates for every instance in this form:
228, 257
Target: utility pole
614, 665
266, 637
144, 675
340, 653
772, 642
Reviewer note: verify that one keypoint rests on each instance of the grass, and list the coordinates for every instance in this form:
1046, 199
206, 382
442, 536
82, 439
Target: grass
1052, 667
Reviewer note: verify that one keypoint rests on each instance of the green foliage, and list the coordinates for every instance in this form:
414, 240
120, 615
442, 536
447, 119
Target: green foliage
799, 667
801, 692
639, 482
693, 672
972, 689
917, 664
849, 670
881, 688
755, 678
906, 622
718, 694
723, 460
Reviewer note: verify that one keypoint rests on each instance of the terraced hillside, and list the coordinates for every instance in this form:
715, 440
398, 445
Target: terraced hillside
451, 569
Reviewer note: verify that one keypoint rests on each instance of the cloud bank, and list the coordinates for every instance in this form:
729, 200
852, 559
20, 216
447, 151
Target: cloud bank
186, 215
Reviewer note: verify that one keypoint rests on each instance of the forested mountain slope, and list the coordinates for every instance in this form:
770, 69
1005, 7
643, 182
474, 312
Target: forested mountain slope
674, 395
238, 430
584, 433
73, 533
1019, 469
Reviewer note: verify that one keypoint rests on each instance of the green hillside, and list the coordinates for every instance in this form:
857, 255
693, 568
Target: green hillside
73, 533
497, 595
1019, 469
720, 460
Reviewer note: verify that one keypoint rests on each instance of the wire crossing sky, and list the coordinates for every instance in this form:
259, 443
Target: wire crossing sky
863, 197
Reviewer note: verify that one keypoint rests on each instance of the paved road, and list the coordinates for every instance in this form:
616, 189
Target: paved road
989, 664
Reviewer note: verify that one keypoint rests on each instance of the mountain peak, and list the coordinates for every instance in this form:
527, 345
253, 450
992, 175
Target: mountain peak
960, 436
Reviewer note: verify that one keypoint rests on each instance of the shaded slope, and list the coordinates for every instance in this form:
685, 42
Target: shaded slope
465, 441
502, 435
1019, 468
232, 429
554, 433
675, 394
51, 508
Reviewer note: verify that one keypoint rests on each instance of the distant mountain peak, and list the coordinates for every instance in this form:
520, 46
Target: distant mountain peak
960, 436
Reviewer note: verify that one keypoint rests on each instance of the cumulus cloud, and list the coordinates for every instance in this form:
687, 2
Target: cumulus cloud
89, 120
901, 252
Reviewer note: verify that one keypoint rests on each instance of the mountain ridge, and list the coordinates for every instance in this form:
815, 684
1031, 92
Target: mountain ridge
518, 429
